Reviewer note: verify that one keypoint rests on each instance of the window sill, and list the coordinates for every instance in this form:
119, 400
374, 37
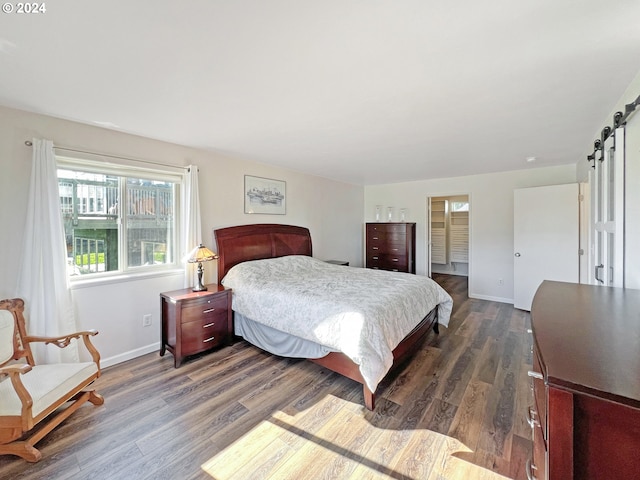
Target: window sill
125, 277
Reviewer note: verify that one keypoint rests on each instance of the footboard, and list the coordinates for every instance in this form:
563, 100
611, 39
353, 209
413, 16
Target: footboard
340, 363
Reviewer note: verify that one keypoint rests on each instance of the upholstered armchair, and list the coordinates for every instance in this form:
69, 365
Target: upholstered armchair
30, 393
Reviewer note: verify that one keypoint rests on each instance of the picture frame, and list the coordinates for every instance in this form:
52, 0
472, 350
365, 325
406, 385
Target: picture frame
265, 196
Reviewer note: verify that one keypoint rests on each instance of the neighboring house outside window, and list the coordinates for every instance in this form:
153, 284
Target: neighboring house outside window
117, 220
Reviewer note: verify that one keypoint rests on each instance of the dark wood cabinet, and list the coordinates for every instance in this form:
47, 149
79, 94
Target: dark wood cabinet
391, 246
193, 322
586, 363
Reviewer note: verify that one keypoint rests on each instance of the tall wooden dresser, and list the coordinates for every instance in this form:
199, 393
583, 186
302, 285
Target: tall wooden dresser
586, 380
391, 246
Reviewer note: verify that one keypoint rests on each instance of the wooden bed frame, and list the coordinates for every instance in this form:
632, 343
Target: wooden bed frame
259, 241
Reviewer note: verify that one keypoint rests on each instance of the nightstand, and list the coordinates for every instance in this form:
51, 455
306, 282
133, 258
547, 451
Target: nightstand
194, 322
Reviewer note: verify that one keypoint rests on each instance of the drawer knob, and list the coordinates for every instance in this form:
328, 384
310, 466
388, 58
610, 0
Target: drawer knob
375, 258
394, 259
209, 340
534, 374
531, 417
529, 468
208, 310
209, 325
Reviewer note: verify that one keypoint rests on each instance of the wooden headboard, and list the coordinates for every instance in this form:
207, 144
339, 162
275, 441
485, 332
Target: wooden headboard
254, 242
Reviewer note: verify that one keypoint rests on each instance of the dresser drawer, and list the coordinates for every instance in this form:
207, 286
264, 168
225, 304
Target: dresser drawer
539, 396
205, 308
537, 467
375, 246
383, 228
395, 261
388, 238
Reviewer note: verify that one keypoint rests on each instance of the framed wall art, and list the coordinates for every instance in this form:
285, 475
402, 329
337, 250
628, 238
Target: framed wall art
265, 195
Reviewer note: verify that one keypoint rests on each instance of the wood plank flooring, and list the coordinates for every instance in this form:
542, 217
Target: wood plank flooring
455, 411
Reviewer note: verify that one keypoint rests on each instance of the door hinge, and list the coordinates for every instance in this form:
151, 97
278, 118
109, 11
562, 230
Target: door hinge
581, 197
581, 251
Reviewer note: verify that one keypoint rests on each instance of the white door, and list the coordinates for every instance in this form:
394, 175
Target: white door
546, 239
608, 213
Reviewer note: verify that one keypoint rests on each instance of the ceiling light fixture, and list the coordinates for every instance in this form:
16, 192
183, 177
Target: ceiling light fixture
531, 159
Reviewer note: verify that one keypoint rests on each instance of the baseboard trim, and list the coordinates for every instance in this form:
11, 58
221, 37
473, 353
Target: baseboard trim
490, 298
123, 357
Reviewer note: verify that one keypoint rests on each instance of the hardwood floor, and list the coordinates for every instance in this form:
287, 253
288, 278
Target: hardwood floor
455, 411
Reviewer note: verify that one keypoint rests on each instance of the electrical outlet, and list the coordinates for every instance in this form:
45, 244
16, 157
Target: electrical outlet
146, 320
500, 282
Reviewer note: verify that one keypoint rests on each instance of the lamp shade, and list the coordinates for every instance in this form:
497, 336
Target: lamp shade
201, 254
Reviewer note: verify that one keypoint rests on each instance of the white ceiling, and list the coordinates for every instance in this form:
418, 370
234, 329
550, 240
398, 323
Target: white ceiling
364, 91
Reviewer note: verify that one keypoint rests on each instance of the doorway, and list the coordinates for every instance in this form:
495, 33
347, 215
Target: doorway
448, 235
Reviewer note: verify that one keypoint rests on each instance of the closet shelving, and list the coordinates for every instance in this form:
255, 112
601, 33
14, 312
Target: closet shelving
439, 220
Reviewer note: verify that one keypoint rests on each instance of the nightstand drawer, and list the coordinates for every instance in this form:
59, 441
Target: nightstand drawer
208, 308
198, 336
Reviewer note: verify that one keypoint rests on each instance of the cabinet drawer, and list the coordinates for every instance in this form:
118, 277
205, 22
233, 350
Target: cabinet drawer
385, 247
538, 465
386, 228
394, 261
399, 238
539, 396
199, 336
205, 308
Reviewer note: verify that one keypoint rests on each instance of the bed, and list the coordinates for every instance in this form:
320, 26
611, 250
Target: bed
360, 323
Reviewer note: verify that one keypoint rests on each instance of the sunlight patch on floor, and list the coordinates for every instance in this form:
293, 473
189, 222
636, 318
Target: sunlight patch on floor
345, 446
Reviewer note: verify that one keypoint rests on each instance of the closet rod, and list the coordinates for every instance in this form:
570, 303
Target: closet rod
29, 143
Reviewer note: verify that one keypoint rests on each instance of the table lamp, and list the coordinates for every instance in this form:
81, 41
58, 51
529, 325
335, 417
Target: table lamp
198, 255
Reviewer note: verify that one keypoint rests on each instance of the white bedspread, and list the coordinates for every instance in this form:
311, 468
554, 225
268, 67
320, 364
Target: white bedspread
361, 312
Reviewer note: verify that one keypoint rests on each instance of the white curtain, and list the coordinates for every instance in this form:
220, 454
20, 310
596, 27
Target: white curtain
43, 282
191, 229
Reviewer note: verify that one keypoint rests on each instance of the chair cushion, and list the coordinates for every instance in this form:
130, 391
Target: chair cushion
7, 326
46, 384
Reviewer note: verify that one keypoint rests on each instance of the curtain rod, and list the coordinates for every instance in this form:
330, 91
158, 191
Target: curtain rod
29, 143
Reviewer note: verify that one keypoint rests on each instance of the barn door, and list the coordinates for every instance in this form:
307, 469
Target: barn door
608, 212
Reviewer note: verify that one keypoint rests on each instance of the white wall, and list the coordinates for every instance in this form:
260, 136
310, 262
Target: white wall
490, 218
331, 210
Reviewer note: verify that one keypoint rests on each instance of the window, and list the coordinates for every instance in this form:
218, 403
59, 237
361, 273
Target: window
459, 206
117, 219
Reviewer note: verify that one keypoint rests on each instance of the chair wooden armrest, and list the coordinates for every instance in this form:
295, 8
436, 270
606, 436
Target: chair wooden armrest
64, 340
14, 372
